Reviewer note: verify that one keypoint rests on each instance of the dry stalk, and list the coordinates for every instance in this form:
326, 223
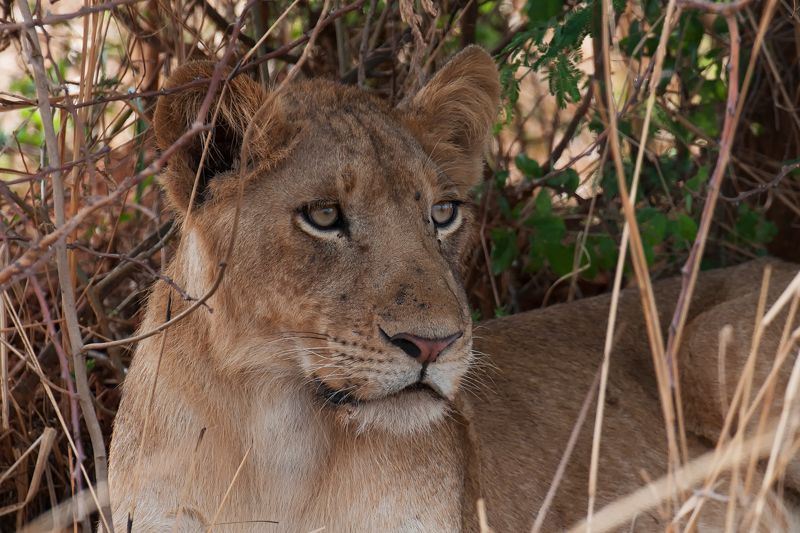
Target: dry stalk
642, 275
230, 486
188, 482
769, 384
621, 511
65, 376
362, 52
45, 442
22, 457
782, 435
36, 60
4, 350
483, 521
263, 38
146, 427
49, 392
562, 465
323, 22
764, 391
747, 381
725, 335
733, 111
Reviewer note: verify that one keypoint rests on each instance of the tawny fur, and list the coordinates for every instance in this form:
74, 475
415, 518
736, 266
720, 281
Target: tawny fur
301, 311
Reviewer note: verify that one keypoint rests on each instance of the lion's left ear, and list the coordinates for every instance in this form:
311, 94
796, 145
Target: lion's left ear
453, 114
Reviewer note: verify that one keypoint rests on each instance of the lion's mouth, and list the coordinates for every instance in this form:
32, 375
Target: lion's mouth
340, 397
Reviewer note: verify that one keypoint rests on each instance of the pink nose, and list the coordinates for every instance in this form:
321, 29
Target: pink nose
424, 351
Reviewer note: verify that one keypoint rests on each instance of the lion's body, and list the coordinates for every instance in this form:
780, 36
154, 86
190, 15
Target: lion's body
337, 355
546, 361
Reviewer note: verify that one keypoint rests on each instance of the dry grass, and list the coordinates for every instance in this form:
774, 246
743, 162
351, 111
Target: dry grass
79, 164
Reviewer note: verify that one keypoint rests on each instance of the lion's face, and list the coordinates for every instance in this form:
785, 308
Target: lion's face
353, 229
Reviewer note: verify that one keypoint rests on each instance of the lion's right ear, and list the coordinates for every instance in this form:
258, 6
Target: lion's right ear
176, 112
453, 114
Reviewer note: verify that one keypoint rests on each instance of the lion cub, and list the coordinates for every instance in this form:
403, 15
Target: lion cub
341, 336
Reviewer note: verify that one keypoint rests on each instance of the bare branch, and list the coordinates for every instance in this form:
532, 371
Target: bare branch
82, 12
763, 187
148, 268
718, 8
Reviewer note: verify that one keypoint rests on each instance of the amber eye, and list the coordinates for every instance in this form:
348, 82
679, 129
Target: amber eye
443, 213
323, 217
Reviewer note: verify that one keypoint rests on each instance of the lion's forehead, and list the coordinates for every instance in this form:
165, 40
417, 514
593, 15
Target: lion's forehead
349, 158
353, 121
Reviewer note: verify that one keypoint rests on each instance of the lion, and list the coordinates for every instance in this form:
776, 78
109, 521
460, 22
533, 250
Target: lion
330, 377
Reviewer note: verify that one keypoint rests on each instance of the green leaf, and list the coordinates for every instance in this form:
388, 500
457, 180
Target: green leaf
576, 27
608, 253
564, 78
560, 258
504, 249
502, 311
653, 225
529, 167
544, 204
500, 179
543, 10
550, 229
569, 179
476, 314
502, 201
536, 254
649, 254
704, 118
688, 227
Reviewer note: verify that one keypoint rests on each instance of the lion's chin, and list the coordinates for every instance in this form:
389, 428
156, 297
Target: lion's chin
413, 409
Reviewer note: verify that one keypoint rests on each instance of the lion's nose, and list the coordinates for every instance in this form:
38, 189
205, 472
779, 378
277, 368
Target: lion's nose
425, 351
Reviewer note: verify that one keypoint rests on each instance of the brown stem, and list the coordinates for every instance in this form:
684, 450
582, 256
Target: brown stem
306, 36
763, 186
362, 53
123, 257
733, 109
36, 60
570, 131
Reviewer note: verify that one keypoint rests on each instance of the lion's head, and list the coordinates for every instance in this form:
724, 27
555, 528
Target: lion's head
355, 222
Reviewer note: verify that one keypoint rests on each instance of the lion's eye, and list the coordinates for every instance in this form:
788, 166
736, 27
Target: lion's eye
443, 213
323, 217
